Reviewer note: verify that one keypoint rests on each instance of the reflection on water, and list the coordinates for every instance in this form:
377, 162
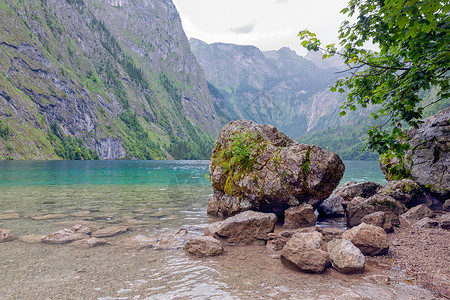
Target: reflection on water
151, 198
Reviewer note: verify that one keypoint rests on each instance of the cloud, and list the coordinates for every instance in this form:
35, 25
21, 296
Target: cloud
282, 1
243, 29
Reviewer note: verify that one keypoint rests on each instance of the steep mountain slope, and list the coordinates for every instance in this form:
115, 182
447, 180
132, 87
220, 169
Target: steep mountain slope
113, 76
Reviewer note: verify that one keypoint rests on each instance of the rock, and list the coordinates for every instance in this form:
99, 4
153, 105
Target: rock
345, 257
9, 216
371, 240
351, 190
331, 233
63, 236
109, 231
40, 217
5, 236
305, 252
418, 212
271, 173
211, 229
446, 205
203, 246
94, 242
406, 191
277, 241
378, 202
426, 223
444, 221
299, 216
174, 240
331, 207
381, 219
247, 227
31, 239
429, 154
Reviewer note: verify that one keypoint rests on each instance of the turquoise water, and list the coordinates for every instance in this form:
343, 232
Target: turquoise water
148, 197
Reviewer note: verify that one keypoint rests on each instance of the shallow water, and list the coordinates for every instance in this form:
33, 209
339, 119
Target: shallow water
149, 197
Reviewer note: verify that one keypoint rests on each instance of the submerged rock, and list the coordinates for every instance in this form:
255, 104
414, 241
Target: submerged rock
299, 216
63, 236
371, 240
257, 167
248, 227
9, 216
305, 252
174, 240
345, 257
40, 217
5, 235
109, 231
203, 246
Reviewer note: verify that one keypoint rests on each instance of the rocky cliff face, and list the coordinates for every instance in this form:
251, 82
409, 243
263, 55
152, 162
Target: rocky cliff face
116, 77
276, 87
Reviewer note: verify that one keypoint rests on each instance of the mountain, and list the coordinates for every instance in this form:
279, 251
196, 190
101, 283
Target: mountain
276, 87
108, 79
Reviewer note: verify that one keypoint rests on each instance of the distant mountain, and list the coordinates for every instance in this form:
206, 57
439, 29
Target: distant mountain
275, 87
113, 79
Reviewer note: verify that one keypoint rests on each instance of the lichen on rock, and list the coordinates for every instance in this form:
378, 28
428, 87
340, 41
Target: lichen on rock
260, 168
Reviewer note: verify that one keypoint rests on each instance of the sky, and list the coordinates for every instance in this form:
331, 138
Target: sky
266, 24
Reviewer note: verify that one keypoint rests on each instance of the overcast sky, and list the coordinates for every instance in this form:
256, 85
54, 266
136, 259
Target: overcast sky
266, 24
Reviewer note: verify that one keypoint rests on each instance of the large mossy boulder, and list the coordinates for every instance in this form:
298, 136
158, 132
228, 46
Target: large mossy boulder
260, 168
426, 162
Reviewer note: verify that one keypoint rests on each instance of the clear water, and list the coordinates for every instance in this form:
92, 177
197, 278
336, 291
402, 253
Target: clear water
151, 198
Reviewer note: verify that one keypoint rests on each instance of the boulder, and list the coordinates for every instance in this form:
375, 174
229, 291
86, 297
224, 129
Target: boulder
299, 216
331, 207
247, 227
444, 221
406, 191
345, 257
109, 231
277, 241
5, 236
446, 205
203, 246
257, 167
305, 252
352, 189
419, 212
93, 242
66, 235
381, 219
378, 202
371, 240
331, 233
426, 223
429, 154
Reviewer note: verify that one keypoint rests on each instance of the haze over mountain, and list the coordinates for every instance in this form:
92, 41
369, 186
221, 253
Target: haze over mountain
276, 87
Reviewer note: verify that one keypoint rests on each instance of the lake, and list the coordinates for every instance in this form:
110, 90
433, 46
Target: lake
149, 197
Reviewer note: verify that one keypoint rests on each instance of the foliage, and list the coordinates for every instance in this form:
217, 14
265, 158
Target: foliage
4, 130
413, 40
243, 150
138, 142
68, 147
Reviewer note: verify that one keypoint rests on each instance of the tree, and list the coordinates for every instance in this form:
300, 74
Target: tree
413, 39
